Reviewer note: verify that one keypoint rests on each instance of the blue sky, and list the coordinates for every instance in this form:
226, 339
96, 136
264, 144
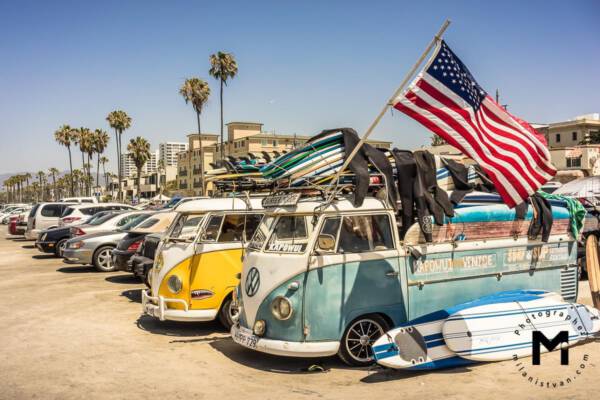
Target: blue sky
303, 66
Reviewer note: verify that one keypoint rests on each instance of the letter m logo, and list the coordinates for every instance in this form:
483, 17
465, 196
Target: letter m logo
539, 338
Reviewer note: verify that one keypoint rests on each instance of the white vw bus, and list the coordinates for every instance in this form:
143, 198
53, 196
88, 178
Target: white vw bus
323, 280
198, 263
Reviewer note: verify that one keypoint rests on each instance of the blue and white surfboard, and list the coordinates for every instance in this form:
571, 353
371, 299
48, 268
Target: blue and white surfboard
420, 344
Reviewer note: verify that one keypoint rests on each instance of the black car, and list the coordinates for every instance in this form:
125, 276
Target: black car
125, 249
53, 240
143, 259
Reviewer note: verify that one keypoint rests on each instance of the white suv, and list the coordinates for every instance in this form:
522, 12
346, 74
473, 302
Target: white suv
80, 200
76, 214
44, 216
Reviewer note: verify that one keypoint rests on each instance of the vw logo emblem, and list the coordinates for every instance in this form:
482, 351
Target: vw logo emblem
252, 282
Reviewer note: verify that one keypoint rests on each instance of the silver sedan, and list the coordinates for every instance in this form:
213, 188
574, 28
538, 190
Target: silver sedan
96, 248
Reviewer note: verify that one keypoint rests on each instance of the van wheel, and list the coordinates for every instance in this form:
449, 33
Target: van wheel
60, 247
102, 259
228, 313
355, 346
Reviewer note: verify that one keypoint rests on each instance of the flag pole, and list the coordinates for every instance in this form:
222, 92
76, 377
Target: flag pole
408, 76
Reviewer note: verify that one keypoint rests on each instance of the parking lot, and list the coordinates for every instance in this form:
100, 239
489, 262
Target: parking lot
70, 332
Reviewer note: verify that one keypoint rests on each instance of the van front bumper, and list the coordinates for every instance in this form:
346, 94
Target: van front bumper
283, 347
156, 306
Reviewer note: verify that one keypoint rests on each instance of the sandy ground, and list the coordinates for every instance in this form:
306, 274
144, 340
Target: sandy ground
68, 332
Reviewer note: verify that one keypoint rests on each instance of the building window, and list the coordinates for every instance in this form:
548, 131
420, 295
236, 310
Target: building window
574, 135
274, 143
558, 138
574, 162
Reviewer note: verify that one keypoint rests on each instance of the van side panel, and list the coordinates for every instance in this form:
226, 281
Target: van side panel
337, 294
438, 280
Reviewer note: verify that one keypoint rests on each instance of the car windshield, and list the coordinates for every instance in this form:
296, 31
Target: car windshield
138, 219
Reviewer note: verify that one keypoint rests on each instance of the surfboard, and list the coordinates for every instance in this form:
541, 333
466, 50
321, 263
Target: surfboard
593, 268
504, 330
419, 344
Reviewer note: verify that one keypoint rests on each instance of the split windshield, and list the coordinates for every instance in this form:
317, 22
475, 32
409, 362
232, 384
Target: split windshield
186, 227
289, 234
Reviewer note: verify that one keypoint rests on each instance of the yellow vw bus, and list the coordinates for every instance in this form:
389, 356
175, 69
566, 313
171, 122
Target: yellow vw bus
198, 262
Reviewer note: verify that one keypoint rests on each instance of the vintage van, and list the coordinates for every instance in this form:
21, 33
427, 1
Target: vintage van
320, 280
198, 262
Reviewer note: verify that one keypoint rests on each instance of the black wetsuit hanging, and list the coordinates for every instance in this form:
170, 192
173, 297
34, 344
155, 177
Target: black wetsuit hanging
436, 198
406, 175
359, 165
542, 218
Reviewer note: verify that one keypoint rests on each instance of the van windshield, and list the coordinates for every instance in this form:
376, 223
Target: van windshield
289, 234
186, 227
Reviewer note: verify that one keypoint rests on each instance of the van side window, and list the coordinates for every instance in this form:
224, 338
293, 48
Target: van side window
233, 227
365, 233
51, 210
213, 227
186, 226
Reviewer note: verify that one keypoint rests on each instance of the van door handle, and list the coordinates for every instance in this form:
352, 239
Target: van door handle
391, 274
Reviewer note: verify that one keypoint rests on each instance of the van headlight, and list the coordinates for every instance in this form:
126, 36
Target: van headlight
174, 284
281, 308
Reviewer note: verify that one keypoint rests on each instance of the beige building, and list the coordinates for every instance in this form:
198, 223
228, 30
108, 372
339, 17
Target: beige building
572, 132
576, 161
243, 138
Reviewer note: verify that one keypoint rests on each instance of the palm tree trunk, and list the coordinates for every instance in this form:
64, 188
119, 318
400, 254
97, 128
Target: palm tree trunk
139, 188
222, 145
98, 171
53, 187
119, 164
71, 172
202, 154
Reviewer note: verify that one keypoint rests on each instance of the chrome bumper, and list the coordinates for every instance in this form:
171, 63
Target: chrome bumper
282, 347
156, 306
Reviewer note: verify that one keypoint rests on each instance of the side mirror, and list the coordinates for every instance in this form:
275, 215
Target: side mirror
326, 242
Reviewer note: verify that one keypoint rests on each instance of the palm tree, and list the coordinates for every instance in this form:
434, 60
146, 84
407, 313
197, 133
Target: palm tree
99, 142
35, 186
160, 168
139, 151
103, 161
64, 137
197, 91
26, 177
223, 67
119, 121
41, 175
53, 172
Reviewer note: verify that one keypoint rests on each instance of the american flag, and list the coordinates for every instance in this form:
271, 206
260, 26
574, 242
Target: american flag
447, 100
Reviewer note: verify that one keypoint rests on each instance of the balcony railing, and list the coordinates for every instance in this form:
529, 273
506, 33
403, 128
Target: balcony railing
196, 171
197, 184
183, 186
183, 172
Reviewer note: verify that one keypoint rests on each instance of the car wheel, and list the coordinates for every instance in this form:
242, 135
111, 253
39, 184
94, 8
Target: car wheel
355, 346
228, 313
60, 247
102, 259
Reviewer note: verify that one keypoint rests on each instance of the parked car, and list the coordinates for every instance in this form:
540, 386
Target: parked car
80, 200
96, 248
143, 259
5, 216
18, 223
127, 246
54, 240
76, 214
44, 216
108, 223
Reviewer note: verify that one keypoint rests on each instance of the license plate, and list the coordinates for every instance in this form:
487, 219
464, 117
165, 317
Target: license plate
245, 337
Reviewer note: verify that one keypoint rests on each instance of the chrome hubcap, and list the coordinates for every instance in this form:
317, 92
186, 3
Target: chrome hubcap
234, 312
360, 338
105, 259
